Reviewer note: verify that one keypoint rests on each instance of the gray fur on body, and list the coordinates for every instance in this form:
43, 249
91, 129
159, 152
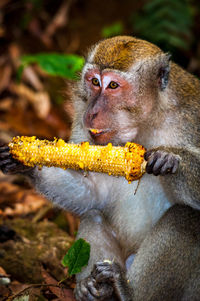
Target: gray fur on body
130, 215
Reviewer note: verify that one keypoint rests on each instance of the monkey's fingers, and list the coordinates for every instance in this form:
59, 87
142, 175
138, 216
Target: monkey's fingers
4, 152
4, 149
160, 162
171, 166
8, 165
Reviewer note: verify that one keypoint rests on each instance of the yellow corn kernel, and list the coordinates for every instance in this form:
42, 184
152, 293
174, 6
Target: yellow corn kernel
127, 161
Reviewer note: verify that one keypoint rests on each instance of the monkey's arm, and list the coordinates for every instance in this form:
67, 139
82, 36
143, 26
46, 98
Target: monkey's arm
184, 164
66, 188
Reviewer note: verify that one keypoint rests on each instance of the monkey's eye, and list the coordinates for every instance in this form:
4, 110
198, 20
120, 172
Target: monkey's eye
95, 81
113, 85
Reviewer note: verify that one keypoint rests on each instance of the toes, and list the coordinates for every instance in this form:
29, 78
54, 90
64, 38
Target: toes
105, 290
104, 276
106, 272
85, 290
90, 289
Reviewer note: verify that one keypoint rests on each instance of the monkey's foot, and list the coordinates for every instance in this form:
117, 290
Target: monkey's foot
113, 274
89, 290
8, 165
160, 162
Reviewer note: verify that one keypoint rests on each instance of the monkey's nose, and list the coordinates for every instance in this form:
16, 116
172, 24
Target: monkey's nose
89, 119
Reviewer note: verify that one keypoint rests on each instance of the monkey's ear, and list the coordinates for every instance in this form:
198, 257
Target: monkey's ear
163, 73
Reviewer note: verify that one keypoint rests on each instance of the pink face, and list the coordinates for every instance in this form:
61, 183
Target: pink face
109, 93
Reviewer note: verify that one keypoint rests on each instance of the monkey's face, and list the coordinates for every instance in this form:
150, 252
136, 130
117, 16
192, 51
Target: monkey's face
114, 110
121, 83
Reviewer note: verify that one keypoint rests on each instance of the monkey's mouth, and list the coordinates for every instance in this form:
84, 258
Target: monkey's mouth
96, 132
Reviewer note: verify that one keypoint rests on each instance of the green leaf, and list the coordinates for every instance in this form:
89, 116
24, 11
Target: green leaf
77, 256
65, 65
112, 30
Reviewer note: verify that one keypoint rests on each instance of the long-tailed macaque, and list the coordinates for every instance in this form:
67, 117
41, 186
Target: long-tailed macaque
131, 91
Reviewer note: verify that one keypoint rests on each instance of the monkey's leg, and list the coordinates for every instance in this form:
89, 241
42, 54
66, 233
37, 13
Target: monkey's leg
168, 258
166, 266
94, 229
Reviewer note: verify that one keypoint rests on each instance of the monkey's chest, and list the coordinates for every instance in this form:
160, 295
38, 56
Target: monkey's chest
133, 215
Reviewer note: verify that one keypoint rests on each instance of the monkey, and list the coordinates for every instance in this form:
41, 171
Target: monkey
130, 90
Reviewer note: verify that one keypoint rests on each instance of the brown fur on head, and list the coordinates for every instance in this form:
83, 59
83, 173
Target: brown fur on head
121, 52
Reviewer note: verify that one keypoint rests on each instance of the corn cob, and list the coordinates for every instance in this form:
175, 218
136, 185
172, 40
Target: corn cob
127, 161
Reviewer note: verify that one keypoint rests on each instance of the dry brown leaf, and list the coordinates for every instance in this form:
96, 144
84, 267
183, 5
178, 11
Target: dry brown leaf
25, 204
3, 272
30, 76
4, 292
5, 77
7, 188
14, 52
39, 100
17, 287
6, 103
73, 222
15, 200
63, 294
59, 20
4, 125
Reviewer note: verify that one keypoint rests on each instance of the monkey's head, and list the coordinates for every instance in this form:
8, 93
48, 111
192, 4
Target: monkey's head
122, 80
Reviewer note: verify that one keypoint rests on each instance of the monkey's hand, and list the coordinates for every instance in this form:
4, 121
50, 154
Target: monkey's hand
8, 165
90, 289
160, 162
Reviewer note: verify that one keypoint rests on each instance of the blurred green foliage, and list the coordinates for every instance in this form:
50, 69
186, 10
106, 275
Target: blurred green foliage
167, 23
114, 29
64, 65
